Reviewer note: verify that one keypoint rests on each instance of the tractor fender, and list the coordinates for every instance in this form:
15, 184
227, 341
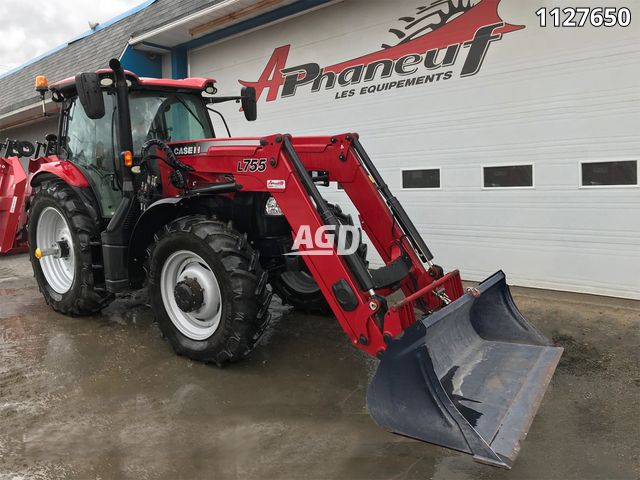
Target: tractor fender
72, 176
157, 215
144, 230
64, 170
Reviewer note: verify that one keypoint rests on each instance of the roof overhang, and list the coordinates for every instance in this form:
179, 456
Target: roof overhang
28, 114
207, 21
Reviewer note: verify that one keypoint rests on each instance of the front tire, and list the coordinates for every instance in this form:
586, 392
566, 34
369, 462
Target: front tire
67, 282
208, 290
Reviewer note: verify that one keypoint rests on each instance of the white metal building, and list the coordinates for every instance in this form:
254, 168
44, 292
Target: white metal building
512, 146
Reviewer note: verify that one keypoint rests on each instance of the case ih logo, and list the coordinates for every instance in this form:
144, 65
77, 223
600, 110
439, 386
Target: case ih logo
186, 149
440, 35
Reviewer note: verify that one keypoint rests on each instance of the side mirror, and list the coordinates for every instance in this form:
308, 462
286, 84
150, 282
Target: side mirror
90, 95
249, 103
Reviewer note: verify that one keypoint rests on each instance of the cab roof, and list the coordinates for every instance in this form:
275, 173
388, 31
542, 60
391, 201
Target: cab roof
67, 87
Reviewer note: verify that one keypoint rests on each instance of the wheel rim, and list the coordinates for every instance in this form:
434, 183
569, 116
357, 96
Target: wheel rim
202, 323
58, 271
301, 282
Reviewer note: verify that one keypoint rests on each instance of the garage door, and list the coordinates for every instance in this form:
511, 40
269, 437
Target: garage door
512, 146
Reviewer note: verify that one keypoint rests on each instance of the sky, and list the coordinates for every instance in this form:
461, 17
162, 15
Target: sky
32, 28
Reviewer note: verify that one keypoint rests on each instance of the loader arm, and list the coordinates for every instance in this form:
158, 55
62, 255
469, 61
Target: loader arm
471, 373
356, 296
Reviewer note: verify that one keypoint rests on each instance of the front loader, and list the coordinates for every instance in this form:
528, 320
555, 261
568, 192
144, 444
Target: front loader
138, 191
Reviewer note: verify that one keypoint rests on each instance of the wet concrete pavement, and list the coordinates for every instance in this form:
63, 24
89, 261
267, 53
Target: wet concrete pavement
105, 397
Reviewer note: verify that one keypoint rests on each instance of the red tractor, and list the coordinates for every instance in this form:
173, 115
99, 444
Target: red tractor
136, 190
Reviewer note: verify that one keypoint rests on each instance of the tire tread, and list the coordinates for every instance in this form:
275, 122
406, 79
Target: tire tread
89, 298
250, 295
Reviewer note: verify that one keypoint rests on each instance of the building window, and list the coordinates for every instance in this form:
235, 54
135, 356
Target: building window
508, 176
600, 174
427, 178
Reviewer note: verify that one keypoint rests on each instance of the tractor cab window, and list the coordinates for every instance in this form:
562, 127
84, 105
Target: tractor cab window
169, 116
90, 144
93, 144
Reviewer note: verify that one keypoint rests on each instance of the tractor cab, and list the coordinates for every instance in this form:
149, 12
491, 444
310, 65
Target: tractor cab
171, 110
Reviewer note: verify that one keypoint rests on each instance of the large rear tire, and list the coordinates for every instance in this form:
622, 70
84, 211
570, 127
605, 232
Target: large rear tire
299, 289
67, 282
208, 290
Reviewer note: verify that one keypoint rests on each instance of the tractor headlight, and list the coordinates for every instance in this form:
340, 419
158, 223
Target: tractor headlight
272, 208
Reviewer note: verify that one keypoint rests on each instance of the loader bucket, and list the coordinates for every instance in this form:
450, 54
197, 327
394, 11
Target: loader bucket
469, 377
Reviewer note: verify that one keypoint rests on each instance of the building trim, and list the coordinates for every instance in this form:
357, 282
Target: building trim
255, 22
179, 63
26, 108
180, 21
144, 64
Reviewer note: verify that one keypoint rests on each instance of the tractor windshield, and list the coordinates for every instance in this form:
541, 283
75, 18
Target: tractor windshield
92, 144
169, 116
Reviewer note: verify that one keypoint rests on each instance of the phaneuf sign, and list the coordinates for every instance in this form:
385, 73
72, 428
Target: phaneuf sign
459, 44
